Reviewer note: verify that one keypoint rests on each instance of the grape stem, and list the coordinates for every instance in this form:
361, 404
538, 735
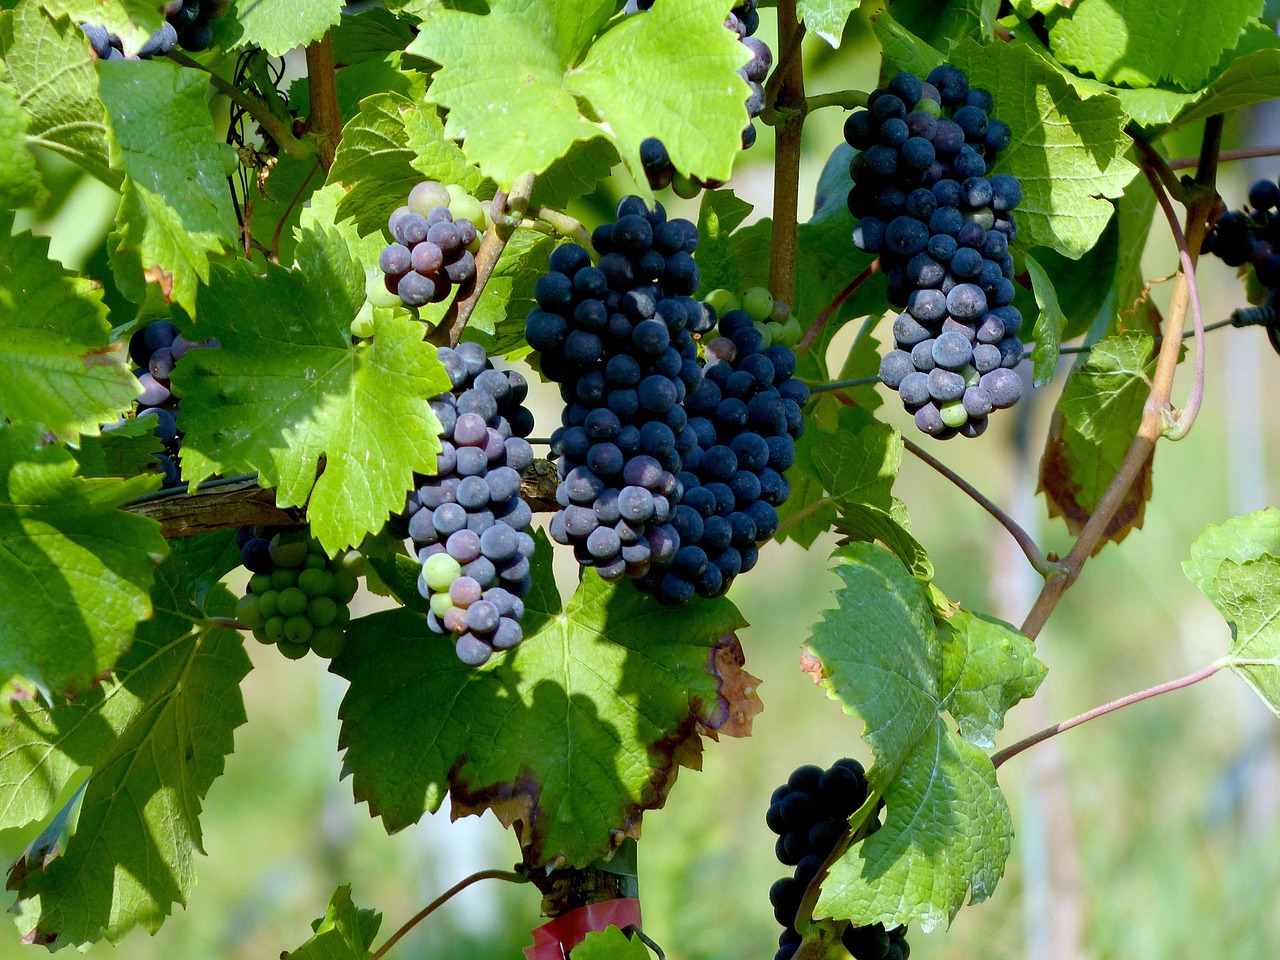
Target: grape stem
1185, 334
829, 310
784, 100
507, 875
562, 225
843, 384
846, 99
1249, 153
1203, 200
1052, 731
1035, 556
325, 119
223, 623
253, 105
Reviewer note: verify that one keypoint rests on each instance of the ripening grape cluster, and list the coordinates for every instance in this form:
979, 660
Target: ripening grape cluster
186, 25
298, 597
434, 240
810, 813
469, 522
744, 21
942, 229
155, 350
746, 414
617, 337
1251, 237
774, 316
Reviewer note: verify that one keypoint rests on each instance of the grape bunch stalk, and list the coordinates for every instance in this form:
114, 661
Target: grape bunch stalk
469, 522
810, 814
1251, 238
434, 240
187, 24
942, 229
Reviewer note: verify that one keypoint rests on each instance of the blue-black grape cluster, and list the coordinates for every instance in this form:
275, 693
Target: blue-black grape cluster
469, 522
155, 350
1252, 238
747, 415
744, 21
186, 25
942, 229
810, 813
298, 598
433, 245
618, 338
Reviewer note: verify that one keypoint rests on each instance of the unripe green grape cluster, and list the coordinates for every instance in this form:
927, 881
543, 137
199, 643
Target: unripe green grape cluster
771, 317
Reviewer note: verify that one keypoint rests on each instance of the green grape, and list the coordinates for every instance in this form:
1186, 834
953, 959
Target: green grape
953, 414
971, 375
292, 602
932, 107
352, 562
758, 302
314, 546
719, 300
344, 615
440, 603
316, 583
322, 611
260, 583
776, 331
441, 570
684, 188
274, 629
298, 629
282, 578
328, 642
428, 195
315, 563
766, 333
364, 325
261, 636
983, 218
288, 549
248, 614
792, 331
466, 207
294, 651
269, 604
345, 586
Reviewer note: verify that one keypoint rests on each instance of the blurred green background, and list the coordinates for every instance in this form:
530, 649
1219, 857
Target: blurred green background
1150, 833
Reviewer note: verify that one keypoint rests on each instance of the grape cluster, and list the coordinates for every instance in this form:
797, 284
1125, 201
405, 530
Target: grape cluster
618, 338
942, 229
434, 240
1252, 238
743, 20
186, 25
772, 317
298, 597
746, 414
155, 350
810, 813
469, 522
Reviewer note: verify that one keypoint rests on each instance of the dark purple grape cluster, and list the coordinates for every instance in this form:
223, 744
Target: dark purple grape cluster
942, 229
810, 814
1252, 238
186, 25
469, 522
744, 21
298, 598
431, 250
155, 350
618, 338
746, 414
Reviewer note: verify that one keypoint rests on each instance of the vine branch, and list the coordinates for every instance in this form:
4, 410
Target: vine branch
1248, 153
325, 119
510, 876
787, 103
846, 99
820, 321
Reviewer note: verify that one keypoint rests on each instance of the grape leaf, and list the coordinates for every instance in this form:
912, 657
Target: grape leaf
1049, 325
902, 49
944, 24
1140, 43
610, 944
345, 932
287, 388
860, 462
53, 71
155, 735
369, 34
864, 522
1097, 417
124, 451
1069, 154
176, 207
277, 26
720, 213
826, 18
133, 21
553, 86
58, 367
390, 73
574, 175
947, 830
20, 183
1240, 539
1249, 597
75, 572
570, 737
1251, 75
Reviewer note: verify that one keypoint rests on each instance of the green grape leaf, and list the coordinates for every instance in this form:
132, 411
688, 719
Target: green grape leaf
133, 21
155, 735
345, 932
1251, 75
610, 944
944, 24
20, 183
277, 26
518, 112
1249, 597
365, 78
368, 35
123, 451
864, 522
1049, 325
1240, 539
1098, 415
1141, 43
58, 367
176, 208
808, 512
902, 49
574, 175
497, 323
75, 572
860, 462
720, 213
278, 201
287, 388
947, 831
570, 737
1070, 154
53, 71
826, 18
